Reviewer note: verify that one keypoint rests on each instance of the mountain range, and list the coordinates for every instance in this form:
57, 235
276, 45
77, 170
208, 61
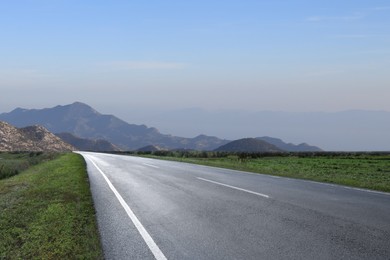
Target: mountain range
289, 147
349, 130
86, 129
83, 121
31, 138
85, 144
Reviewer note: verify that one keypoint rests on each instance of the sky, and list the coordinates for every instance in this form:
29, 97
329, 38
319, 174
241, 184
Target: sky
140, 56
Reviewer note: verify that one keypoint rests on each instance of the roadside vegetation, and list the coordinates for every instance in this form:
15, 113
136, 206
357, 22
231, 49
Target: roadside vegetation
363, 170
46, 211
12, 163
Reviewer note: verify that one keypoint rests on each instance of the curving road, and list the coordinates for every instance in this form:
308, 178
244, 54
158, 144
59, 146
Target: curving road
154, 209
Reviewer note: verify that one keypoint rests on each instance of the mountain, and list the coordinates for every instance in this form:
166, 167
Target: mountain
289, 147
251, 145
350, 130
83, 121
31, 138
203, 143
84, 144
150, 148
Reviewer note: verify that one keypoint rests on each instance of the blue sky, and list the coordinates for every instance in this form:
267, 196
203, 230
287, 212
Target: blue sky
154, 55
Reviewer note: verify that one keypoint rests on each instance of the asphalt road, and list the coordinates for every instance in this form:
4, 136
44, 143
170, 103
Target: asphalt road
153, 209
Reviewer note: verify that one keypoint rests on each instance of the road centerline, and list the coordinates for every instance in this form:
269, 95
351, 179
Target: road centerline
158, 254
236, 188
151, 165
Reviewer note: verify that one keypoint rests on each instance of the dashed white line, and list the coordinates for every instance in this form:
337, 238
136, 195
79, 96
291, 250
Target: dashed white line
141, 229
236, 188
300, 180
151, 165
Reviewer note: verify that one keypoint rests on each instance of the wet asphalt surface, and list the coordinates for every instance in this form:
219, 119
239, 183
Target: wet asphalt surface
198, 212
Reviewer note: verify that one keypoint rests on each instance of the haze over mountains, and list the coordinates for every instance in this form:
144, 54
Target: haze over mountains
85, 144
78, 121
289, 147
83, 121
353, 130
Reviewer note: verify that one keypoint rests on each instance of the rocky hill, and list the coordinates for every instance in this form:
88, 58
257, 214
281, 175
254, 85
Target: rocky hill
31, 138
84, 144
83, 121
289, 147
251, 145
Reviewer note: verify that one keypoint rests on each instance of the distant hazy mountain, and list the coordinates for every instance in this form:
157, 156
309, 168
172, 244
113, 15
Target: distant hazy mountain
83, 121
150, 148
354, 130
84, 144
248, 145
31, 138
289, 147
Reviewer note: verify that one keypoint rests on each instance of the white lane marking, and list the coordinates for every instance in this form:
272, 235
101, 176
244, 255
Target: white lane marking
141, 229
151, 165
236, 188
299, 180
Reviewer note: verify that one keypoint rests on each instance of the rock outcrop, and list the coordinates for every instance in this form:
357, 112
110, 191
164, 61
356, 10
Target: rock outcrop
31, 138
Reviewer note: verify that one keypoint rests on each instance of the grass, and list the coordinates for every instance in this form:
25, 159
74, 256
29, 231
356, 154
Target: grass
46, 212
368, 171
15, 162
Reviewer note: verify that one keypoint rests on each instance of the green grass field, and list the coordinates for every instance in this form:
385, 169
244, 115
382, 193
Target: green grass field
46, 212
360, 170
15, 162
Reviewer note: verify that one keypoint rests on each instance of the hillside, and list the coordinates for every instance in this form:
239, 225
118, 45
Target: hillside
84, 144
289, 147
31, 138
251, 145
150, 148
83, 121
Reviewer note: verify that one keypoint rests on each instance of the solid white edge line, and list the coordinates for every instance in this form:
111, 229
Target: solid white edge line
141, 229
236, 188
